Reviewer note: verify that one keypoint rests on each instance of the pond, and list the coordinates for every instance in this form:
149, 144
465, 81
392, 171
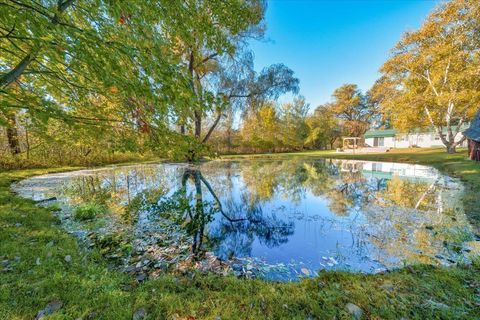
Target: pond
278, 220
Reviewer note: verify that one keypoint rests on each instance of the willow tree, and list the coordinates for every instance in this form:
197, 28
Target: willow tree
432, 79
212, 45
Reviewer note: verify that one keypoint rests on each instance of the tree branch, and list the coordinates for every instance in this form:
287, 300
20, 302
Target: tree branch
214, 125
207, 58
13, 74
17, 71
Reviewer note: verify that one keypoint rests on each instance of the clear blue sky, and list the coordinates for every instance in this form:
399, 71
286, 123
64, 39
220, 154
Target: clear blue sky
328, 43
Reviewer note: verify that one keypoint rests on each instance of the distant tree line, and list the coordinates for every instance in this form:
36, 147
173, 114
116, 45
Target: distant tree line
274, 127
430, 82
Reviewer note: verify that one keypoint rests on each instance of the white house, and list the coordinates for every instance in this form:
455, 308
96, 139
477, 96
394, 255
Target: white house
387, 169
391, 138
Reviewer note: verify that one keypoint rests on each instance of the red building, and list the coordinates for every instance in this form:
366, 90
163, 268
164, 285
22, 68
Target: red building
473, 136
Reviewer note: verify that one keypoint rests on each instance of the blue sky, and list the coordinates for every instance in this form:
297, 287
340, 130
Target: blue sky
328, 43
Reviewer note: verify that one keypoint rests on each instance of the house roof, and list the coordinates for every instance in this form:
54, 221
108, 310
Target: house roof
393, 132
473, 133
380, 133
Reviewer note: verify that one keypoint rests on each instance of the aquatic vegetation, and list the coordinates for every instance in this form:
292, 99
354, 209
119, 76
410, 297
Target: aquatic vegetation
299, 218
88, 211
414, 292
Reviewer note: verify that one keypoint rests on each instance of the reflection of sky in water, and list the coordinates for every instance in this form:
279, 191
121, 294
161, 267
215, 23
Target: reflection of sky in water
312, 214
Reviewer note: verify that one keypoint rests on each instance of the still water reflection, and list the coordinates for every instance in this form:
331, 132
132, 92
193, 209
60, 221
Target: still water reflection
275, 219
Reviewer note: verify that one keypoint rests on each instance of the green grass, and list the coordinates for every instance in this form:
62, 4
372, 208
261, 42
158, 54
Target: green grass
90, 290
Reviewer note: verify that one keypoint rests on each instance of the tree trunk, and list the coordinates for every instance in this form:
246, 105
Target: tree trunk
13, 143
214, 125
27, 141
12, 135
452, 144
452, 148
199, 215
198, 124
229, 130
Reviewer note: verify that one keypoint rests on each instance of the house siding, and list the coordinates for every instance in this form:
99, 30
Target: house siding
422, 140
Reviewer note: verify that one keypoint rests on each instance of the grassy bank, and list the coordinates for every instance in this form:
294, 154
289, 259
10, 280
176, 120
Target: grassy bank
35, 272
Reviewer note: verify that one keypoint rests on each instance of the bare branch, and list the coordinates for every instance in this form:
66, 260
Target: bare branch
214, 125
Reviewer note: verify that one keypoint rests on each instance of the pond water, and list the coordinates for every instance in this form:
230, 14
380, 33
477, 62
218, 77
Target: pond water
278, 220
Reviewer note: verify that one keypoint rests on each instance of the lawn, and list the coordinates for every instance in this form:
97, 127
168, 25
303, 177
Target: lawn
42, 264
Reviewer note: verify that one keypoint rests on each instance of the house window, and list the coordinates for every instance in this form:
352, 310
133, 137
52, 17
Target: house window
376, 167
378, 141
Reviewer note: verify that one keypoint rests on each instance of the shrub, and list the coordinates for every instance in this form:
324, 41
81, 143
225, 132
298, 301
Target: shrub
54, 207
88, 211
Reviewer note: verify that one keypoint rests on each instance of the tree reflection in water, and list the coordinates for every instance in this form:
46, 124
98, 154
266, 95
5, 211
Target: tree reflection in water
363, 215
236, 227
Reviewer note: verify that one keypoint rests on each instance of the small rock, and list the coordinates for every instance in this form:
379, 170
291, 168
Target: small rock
68, 258
141, 277
139, 314
387, 287
354, 310
437, 305
129, 268
92, 315
37, 262
18, 225
49, 309
49, 254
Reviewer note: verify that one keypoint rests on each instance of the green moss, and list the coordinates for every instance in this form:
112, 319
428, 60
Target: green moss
89, 289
